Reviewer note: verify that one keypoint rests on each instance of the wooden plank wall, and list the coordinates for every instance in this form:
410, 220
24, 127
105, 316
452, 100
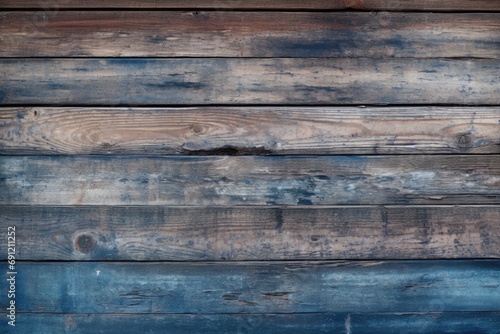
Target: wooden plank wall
248, 166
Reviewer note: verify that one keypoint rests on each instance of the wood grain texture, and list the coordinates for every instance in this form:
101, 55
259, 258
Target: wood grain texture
253, 180
249, 130
396, 5
313, 323
305, 81
252, 233
248, 34
257, 287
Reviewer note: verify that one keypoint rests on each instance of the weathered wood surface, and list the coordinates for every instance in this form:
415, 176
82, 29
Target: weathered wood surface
252, 180
257, 287
311, 323
306, 81
396, 5
248, 34
252, 233
249, 130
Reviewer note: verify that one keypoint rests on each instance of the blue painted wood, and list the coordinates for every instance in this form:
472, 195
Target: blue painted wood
258, 287
306, 81
312, 323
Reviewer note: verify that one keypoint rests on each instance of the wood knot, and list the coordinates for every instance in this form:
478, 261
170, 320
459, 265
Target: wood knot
196, 128
85, 243
464, 140
106, 145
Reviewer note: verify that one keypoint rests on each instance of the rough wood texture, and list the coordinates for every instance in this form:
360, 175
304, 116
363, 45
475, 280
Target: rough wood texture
248, 81
252, 233
258, 287
396, 5
248, 34
249, 130
254, 180
312, 323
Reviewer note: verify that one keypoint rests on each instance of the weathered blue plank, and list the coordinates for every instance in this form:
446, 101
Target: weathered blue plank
307, 81
249, 180
258, 287
312, 323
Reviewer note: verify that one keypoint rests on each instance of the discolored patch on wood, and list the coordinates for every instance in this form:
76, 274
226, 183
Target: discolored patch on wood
227, 150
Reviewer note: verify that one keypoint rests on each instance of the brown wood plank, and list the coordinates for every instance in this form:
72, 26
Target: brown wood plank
250, 130
252, 233
248, 34
250, 180
304, 81
410, 5
258, 287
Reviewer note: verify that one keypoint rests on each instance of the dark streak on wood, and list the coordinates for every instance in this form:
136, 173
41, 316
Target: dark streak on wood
253, 233
309, 81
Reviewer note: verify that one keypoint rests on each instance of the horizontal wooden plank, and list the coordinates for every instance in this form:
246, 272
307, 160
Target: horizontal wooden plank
342, 323
252, 233
257, 287
248, 34
250, 180
249, 130
409, 5
307, 81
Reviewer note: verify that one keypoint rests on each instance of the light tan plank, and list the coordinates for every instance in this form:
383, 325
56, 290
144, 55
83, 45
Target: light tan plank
249, 130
